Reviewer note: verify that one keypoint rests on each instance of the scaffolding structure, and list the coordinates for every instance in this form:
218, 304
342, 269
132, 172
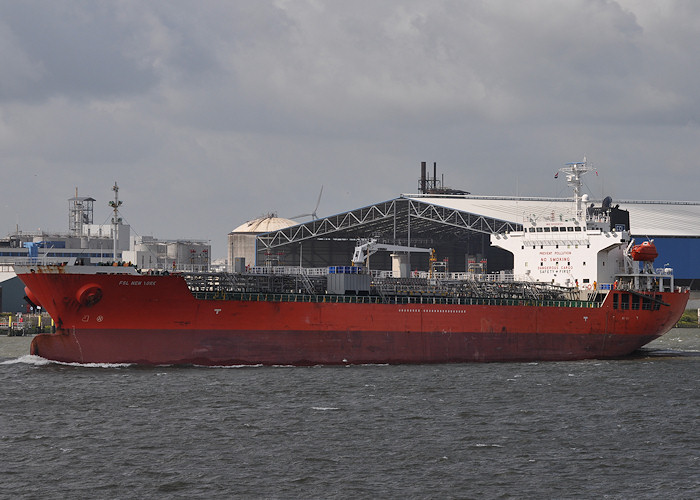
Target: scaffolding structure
80, 213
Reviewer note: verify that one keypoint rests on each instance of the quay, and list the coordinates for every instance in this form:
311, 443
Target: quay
14, 346
18, 330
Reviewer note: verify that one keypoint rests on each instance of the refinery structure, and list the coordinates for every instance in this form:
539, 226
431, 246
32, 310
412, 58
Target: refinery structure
104, 243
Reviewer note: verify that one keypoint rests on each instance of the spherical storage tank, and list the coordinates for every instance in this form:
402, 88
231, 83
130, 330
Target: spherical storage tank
241, 241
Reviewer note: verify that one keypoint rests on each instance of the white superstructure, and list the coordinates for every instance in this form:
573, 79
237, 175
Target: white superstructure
582, 246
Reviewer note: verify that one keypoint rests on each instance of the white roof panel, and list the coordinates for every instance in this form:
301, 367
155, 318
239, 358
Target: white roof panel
647, 218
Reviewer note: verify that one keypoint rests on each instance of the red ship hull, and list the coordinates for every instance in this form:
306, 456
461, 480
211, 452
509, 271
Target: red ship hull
157, 320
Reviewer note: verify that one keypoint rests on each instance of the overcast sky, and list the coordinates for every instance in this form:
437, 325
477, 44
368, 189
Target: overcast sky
211, 113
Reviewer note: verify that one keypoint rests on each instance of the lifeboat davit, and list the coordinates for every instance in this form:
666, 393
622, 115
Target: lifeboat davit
646, 252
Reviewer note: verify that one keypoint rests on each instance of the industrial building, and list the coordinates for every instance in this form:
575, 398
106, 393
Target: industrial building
84, 239
95, 243
458, 226
147, 252
242, 240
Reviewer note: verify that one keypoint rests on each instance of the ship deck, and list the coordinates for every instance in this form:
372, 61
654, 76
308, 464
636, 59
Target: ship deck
304, 288
394, 299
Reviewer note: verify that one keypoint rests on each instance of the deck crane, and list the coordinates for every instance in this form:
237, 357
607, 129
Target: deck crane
368, 246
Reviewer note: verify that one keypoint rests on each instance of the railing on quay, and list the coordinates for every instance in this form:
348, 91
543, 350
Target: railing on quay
25, 324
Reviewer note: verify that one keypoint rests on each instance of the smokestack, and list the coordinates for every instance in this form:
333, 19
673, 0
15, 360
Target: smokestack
435, 175
422, 177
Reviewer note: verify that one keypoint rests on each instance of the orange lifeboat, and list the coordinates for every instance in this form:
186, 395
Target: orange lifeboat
646, 252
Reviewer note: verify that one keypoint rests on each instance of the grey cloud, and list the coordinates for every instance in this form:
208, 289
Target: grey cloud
221, 110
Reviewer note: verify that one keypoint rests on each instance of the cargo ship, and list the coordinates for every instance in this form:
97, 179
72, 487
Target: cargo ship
580, 289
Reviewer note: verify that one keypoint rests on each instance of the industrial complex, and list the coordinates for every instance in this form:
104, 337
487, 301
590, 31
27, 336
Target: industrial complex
454, 223
96, 243
458, 226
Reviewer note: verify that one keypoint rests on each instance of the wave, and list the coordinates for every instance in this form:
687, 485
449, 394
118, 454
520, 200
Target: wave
31, 359
27, 359
668, 353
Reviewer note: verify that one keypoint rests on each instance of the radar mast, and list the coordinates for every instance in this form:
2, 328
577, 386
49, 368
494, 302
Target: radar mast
573, 172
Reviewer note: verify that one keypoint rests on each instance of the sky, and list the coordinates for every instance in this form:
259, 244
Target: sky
210, 113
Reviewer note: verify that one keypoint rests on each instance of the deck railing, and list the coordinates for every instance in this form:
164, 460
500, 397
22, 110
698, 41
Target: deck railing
398, 299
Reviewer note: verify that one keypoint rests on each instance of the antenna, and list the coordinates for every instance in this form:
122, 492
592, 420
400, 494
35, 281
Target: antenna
116, 220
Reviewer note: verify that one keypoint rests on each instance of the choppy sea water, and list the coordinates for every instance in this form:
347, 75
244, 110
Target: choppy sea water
590, 429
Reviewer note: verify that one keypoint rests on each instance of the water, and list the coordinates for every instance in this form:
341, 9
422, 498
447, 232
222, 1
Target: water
590, 429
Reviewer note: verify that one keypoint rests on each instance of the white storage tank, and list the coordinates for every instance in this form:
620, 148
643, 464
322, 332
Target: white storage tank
241, 241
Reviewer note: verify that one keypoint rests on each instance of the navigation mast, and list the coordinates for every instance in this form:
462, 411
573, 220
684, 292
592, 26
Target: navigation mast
116, 220
573, 172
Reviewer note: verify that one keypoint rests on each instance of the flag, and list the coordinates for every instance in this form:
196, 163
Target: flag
556, 176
